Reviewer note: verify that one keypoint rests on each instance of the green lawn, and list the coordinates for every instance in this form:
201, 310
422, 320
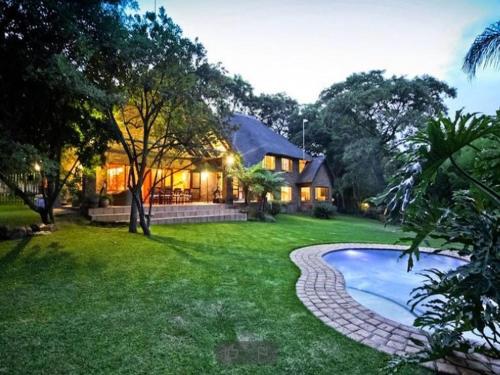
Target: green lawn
89, 299
18, 214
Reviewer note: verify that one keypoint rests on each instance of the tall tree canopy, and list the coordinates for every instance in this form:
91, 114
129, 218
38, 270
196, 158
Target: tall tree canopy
360, 122
274, 110
48, 88
171, 101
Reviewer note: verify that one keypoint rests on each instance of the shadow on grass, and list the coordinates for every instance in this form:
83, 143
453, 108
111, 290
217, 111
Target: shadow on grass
44, 261
180, 248
14, 253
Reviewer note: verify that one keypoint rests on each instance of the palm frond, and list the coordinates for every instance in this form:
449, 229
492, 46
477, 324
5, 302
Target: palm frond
485, 51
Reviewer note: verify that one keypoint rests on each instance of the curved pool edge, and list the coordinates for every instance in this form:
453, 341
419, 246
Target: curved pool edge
322, 290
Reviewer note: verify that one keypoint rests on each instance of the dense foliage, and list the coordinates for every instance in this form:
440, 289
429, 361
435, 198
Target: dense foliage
48, 87
170, 101
359, 124
323, 210
257, 183
448, 189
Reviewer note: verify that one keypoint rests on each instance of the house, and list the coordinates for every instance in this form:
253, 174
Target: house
196, 179
308, 179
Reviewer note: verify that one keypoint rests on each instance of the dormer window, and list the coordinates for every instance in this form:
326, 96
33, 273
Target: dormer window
286, 165
302, 165
269, 162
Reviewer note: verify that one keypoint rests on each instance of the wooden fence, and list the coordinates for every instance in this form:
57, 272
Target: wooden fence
27, 183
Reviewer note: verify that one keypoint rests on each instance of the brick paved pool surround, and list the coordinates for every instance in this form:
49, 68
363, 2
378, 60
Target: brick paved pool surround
321, 288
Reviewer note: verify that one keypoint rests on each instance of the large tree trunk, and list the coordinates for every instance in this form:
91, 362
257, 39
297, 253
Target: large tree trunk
46, 216
137, 213
132, 226
143, 222
245, 193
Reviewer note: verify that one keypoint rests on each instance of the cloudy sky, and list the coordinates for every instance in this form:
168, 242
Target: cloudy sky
302, 47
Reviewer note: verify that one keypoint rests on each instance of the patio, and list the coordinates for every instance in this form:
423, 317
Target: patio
173, 213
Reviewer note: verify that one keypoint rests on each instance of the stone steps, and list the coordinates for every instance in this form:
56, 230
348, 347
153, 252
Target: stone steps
200, 219
171, 214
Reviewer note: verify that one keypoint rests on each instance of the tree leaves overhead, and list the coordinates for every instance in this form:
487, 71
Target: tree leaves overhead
447, 189
485, 51
49, 87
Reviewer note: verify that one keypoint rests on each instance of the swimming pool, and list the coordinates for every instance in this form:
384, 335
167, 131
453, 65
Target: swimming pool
378, 279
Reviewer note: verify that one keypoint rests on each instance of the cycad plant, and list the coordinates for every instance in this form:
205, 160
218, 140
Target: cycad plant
448, 189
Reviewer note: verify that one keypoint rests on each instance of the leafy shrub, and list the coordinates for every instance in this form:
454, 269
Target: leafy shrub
466, 222
324, 210
275, 207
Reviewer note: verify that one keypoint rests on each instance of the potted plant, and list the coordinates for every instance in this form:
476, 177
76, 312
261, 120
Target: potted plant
104, 200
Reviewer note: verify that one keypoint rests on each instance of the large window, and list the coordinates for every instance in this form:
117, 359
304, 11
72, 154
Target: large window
181, 179
286, 165
321, 193
269, 162
302, 165
305, 194
115, 179
286, 193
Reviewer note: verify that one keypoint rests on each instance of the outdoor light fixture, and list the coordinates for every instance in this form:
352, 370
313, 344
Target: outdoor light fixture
229, 160
37, 167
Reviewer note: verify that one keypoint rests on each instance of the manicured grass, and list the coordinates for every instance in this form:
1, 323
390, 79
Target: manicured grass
91, 299
15, 215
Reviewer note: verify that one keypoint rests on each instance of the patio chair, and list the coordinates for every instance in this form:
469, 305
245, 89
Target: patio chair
177, 195
187, 196
156, 193
167, 196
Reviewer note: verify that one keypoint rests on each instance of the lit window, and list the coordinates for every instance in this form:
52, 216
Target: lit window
115, 179
286, 193
305, 194
269, 197
286, 165
182, 180
302, 165
321, 193
237, 191
269, 162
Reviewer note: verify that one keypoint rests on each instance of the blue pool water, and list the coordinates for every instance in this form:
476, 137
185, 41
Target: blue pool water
378, 279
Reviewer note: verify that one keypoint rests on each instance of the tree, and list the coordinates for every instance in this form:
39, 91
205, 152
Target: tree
485, 51
274, 110
167, 92
239, 93
360, 123
49, 89
464, 216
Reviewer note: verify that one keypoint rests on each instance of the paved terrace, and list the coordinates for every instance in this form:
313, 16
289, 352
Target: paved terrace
322, 290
